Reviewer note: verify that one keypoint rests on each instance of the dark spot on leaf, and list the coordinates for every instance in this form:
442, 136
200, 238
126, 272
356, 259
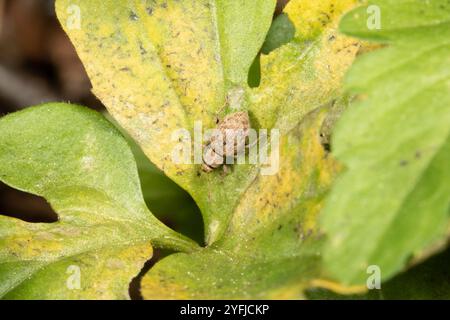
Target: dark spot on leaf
142, 49
325, 141
403, 163
133, 16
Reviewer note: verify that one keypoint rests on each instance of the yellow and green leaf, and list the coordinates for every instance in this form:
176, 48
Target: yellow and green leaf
272, 249
84, 168
159, 66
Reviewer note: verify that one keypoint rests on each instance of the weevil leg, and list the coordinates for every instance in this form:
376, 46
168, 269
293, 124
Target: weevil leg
226, 170
221, 110
206, 168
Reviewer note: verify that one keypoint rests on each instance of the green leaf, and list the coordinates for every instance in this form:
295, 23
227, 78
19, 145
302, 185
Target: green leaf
392, 202
159, 66
165, 199
281, 32
84, 168
429, 280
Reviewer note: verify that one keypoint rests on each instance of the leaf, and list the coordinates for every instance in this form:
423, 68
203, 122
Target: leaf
306, 73
84, 168
254, 248
281, 32
165, 199
272, 247
159, 66
429, 280
392, 202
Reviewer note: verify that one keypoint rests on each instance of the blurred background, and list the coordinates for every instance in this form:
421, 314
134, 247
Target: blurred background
37, 61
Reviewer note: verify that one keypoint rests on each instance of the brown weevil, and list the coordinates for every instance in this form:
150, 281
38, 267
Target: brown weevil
229, 140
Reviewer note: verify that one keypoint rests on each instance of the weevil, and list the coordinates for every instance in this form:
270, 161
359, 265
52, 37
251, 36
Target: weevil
234, 127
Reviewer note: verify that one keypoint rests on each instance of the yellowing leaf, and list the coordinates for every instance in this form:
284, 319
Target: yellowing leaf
272, 247
307, 72
159, 66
